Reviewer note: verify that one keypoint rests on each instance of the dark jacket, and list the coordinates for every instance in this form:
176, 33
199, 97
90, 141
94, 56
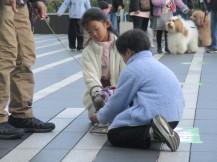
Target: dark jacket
135, 6
115, 4
213, 5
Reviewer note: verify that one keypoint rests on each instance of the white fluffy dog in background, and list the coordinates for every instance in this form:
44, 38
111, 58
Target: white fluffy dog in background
182, 36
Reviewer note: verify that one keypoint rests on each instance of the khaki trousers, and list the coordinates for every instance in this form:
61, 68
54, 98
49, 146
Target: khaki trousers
17, 54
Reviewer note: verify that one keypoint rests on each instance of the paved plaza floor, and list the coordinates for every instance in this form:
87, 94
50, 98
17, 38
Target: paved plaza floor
57, 98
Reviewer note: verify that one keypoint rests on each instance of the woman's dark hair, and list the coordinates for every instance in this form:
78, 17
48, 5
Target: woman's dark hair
95, 14
136, 40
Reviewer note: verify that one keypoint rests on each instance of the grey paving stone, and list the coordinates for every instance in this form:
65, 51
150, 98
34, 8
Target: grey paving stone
10, 144
7, 145
46, 112
50, 155
206, 126
84, 115
3, 152
203, 156
208, 145
155, 146
126, 155
120, 154
55, 103
79, 126
205, 113
66, 140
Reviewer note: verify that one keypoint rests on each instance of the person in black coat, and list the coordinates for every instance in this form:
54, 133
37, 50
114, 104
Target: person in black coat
114, 6
139, 15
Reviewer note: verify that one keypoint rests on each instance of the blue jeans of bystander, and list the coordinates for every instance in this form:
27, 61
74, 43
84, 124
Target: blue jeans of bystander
214, 29
113, 18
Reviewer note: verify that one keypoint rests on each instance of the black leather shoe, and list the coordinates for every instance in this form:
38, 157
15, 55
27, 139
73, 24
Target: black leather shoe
33, 125
7, 131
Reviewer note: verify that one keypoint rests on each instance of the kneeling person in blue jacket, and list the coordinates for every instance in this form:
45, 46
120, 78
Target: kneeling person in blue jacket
148, 102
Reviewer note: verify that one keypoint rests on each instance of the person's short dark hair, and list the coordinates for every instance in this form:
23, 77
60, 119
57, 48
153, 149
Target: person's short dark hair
136, 40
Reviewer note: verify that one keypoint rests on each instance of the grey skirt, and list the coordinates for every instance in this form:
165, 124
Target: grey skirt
158, 23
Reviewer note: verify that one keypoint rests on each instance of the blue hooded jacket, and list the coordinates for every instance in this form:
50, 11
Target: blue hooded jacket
153, 88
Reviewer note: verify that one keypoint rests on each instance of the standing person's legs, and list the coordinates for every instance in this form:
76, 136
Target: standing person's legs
140, 136
145, 24
8, 56
114, 21
80, 37
21, 78
159, 39
72, 34
137, 22
145, 28
166, 42
134, 137
214, 29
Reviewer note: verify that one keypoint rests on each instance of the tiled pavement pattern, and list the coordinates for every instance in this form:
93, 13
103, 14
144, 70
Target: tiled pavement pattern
57, 98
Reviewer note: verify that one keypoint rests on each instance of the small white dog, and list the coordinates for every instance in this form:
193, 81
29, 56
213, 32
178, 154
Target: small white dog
182, 36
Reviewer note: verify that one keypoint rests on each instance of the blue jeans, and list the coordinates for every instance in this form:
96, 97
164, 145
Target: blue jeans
113, 18
214, 29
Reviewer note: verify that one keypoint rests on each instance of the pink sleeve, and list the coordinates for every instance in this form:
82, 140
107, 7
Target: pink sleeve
159, 3
180, 4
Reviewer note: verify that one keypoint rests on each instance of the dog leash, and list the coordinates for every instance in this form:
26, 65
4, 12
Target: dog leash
47, 21
204, 8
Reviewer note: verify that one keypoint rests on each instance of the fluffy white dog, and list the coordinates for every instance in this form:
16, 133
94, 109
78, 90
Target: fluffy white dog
182, 36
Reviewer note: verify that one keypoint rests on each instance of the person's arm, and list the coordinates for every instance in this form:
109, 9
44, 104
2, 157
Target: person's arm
63, 7
158, 3
182, 6
127, 88
90, 68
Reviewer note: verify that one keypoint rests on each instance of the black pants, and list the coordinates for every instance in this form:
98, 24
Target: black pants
133, 137
74, 32
140, 22
159, 38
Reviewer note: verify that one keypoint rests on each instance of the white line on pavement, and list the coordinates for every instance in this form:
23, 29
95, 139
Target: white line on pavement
55, 87
49, 53
36, 70
50, 39
52, 44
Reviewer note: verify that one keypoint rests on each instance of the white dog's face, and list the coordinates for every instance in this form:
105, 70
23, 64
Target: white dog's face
175, 25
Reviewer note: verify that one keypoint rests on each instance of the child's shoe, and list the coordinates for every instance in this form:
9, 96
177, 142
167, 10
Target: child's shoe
165, 133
